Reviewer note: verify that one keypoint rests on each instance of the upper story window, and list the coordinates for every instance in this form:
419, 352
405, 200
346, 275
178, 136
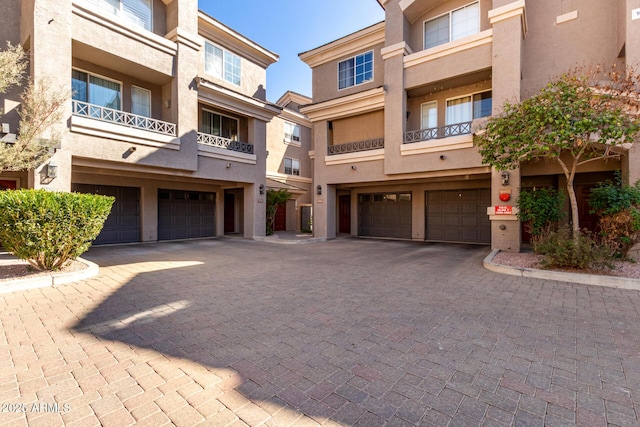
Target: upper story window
356, 70
96, 90
429, 115
140, 101
467, 108
291, 133
453, 25
219, 125
136, 12
221, 63
291, 166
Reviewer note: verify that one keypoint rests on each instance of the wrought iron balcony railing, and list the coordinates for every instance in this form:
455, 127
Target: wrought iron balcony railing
354, 147
122, 118
227, 144
455, 129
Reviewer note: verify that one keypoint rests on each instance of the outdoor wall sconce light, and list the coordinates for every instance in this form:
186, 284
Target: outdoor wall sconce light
504, 177
52, 170
443, 157
228, 165
353, 167
261, 189
408, 114
319, 190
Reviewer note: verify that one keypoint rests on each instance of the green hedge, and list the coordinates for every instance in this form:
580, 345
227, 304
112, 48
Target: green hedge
49, 229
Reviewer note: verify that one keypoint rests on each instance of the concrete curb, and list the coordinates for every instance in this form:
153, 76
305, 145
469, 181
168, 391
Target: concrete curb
561, 276
52, 279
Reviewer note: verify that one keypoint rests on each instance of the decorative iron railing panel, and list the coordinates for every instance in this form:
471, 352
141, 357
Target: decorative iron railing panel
354, 147
455, 129
227, 144
122, 118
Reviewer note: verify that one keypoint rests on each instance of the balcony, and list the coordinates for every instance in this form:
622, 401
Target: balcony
447, 131
110, 115
355, 147
224, 143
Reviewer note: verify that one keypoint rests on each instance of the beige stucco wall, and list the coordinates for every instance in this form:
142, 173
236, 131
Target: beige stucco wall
279, 149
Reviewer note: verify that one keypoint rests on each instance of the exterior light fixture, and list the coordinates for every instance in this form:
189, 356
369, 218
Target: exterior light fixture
261, 189
228, 165
319, 190
354, 167
504, 178
52, 170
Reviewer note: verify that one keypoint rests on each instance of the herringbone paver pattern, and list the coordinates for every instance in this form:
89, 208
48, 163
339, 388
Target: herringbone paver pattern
348, 332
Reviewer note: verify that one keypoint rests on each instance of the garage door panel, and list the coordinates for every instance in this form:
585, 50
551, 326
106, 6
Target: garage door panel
185, 214
385, 215
123, 223
458, 215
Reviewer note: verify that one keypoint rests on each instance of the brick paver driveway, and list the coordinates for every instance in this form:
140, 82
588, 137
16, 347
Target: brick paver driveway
350, 332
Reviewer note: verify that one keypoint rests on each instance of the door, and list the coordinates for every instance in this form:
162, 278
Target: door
123, 223
385, 215
587, 220
344, 206
458, 216
280, 223
229, 213
7, 184
185, 214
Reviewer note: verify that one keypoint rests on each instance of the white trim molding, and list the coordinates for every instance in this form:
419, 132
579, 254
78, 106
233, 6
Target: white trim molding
436, 145
567, 17
350, 45
360, 156
350, 105
511, 10
466, 43
401, 48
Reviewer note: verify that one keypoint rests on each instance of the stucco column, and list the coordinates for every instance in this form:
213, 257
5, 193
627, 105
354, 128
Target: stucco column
395, 106
631, 11
508, 20
321, 214
50, 57
255, 206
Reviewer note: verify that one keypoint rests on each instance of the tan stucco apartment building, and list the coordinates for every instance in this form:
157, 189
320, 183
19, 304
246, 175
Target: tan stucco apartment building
289, 166
395, 106
168, 113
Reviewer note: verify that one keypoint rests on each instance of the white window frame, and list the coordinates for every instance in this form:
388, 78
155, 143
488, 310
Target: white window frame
450, 13
226, 55
354, 72
222, 115
148, 92
292, 138
119, 12
293, 170
422, 124
89, 73
467, 95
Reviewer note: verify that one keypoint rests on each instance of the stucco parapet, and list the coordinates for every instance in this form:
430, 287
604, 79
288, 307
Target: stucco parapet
511, 10
345, 46
357, 103
466, 43
250, 49
437, 145
237, 102
401, 48
85, 10
224, 154
361, 156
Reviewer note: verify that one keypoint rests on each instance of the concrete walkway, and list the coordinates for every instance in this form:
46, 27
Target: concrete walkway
345, 332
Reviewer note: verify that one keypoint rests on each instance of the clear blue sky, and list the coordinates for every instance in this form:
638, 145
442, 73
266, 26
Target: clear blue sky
289, 27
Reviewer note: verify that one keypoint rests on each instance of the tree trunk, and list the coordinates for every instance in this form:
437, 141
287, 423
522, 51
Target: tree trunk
575, 219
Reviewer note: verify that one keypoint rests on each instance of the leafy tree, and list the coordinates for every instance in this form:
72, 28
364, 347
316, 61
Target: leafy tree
582, 116
40, 109
274, 199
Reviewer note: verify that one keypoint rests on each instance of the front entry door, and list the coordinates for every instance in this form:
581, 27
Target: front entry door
344, 206
229, 213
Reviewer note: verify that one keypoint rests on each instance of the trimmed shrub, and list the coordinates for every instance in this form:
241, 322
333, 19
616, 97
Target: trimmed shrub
540, 210
49, 229
275, 198
561, 250
618, 206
